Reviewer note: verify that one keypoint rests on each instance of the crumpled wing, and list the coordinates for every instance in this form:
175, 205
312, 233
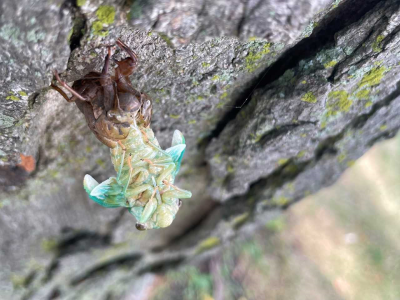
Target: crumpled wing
177, 150
108, 193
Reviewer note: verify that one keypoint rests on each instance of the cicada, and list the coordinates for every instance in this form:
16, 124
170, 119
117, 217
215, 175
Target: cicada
120, 118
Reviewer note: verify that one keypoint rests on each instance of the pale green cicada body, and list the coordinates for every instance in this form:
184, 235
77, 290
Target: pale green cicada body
144, 183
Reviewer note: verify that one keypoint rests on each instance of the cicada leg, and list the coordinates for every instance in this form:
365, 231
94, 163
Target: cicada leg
70, 89
149, 209
165, 173
137, 190
122, 159
169, 168
130, 173
143, 215
124, 69
169, 196
128, 64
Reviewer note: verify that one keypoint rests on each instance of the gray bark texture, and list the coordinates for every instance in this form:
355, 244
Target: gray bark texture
275, 99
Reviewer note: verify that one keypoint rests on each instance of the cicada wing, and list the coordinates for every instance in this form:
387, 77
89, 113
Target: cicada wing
177, 149
176, 153
108, 193
89, 183
177, 138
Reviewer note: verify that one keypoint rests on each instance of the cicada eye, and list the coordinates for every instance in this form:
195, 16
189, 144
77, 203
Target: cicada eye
140, 227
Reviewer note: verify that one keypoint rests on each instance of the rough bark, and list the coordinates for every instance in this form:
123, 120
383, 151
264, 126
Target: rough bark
268, 118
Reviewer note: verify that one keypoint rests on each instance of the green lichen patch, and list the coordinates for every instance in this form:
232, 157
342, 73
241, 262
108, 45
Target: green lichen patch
217, 158
10, 33
377, 44
215, 78
282, 161
309, 97
70, 32
35, 36
290, 169
309, 29
97, 28
230, 169
341, 157
220, 105
363, 94
373, 77
335, 3
49, 245
276, 225
18, 281
301, 154
253, 58
101, 163
240, 220
106, 14
280, 201
330, 64
80, 2
207, 244
338, 101
368, 104
256, 137
6, 121
174, 116
383, 127
223, 95
12, 97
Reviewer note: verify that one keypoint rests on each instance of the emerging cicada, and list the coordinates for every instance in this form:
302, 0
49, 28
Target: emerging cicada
120, 118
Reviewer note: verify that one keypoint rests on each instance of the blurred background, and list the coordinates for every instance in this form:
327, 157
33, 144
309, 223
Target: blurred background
341, 243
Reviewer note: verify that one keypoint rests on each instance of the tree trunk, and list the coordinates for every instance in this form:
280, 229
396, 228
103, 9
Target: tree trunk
275, 99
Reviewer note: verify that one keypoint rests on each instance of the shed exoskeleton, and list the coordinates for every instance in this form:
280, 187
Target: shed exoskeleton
120, 117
